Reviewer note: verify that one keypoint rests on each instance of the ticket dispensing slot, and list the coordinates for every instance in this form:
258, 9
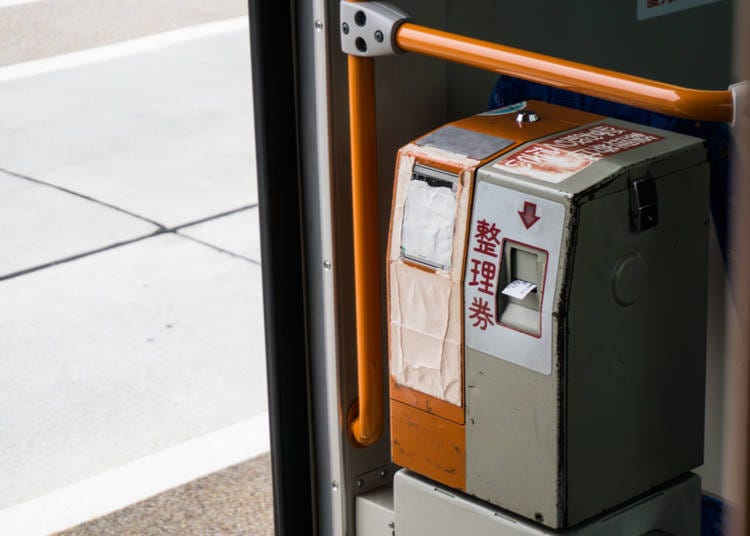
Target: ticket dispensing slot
522, 272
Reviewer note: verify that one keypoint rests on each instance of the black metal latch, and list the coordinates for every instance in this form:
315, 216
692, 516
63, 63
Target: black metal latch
644, 204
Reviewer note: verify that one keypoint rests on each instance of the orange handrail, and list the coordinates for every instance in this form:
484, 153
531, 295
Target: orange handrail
656, 96
366, 414
366, 419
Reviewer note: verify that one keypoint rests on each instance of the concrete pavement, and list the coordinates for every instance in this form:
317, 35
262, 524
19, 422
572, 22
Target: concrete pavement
129, 272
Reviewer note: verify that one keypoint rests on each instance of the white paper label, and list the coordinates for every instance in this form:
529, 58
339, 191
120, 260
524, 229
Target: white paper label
653, 8
519, 289
427, 231
501, 214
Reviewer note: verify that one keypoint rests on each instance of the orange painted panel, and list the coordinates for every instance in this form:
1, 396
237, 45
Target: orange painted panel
427, 403
428, 445
553, 119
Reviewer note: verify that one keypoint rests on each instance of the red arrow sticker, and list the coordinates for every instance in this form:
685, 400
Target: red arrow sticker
528, 214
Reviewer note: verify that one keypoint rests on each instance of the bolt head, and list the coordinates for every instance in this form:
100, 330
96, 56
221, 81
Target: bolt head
360, 482
318, 24
527, 116
345, 28
379, 36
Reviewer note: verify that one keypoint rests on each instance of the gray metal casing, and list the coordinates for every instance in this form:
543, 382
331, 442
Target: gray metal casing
622, 410
423, 507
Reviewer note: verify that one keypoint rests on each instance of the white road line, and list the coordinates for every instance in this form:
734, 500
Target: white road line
122, 49
8, 3
137, 480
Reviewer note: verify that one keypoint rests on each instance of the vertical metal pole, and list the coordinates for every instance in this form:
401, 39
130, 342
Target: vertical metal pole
737, 440
366, 416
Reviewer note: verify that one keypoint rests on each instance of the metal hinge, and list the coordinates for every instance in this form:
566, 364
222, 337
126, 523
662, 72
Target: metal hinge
368, 29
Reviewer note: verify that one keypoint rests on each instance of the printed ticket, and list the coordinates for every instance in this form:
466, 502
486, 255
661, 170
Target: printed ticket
519, 289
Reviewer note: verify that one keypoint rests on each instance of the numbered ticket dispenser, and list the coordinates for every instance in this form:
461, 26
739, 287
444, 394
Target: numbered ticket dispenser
547, 309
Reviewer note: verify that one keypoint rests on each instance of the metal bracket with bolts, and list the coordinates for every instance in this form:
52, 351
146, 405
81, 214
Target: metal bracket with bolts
368, 29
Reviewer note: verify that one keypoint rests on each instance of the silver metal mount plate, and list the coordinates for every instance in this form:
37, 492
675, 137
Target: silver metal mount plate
368, 29
741, 104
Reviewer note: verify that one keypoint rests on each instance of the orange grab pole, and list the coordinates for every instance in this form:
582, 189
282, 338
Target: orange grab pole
366, 415
640, 92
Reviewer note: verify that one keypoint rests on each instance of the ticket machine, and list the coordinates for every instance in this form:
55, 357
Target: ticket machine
546, 305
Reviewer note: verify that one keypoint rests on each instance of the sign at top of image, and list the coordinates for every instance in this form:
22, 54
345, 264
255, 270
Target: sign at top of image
653, 8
